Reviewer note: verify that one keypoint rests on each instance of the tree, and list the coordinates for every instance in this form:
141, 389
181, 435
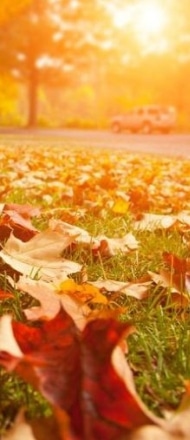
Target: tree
24, 40
64, 42
47, 38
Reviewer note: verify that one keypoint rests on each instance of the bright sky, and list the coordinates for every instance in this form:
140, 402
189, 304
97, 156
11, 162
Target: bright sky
147, 18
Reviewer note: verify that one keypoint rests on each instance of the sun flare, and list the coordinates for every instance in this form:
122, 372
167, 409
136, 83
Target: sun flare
148, 18
151, 19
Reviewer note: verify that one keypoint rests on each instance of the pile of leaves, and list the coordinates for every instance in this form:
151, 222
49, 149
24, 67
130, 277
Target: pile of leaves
65, 330
58, 175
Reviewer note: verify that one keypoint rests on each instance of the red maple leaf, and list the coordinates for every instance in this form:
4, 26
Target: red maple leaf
17, 219
74, 371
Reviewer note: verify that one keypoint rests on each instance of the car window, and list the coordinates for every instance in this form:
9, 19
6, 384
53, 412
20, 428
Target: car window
139, 111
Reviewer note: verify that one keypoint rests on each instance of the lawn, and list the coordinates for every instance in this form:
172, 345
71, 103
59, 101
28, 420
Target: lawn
105, 235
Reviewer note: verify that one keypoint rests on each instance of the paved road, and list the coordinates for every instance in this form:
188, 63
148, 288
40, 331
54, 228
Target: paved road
167, 145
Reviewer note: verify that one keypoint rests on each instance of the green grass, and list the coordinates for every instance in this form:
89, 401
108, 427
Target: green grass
159, 353
16, 394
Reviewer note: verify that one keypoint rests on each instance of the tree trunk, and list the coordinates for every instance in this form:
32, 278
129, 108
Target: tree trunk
32, 97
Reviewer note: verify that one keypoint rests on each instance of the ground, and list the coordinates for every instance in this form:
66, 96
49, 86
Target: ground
110, 232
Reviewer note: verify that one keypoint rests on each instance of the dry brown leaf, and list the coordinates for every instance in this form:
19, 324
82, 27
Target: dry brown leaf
161, 279
178, 297
42, 291
50, 302
184, 217
137, 290
40, 256
151, 222
111, 246
25, 211
100, 243
77, 234
17, 219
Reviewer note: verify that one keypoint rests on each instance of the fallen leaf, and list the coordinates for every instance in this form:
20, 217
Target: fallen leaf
74, 371
17, 219
100, 243
152, 222
50, 302
111, 246
40, 256
43, 292
121, 206
137, 290
85, 292
179, 269
179, 265
178, 297
25, 211
79, 235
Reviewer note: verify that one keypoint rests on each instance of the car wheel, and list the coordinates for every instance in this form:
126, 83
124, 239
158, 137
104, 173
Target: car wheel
165, 131
116, 127
146, 128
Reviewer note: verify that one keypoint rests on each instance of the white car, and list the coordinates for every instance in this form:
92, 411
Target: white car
146, 119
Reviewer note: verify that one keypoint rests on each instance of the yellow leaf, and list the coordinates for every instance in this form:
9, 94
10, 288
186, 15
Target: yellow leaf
85, 292
120, 206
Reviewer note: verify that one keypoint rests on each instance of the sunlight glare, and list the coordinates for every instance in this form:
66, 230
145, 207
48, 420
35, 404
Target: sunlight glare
148, 18
122, 17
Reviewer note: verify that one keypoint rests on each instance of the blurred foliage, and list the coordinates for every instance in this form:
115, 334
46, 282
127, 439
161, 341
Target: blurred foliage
71, 67
9, 109
10, 9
